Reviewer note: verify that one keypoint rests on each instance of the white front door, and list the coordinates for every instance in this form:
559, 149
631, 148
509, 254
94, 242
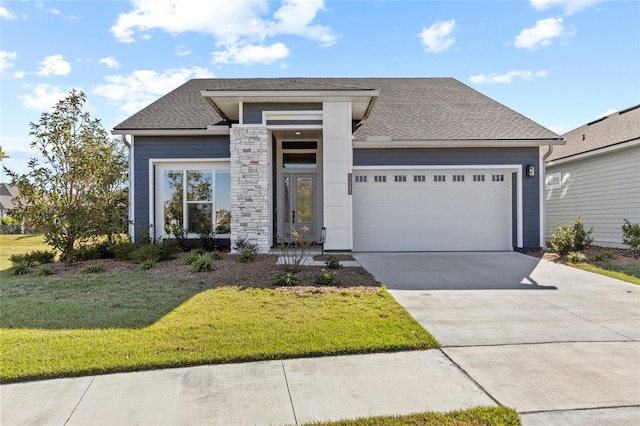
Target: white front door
299, 212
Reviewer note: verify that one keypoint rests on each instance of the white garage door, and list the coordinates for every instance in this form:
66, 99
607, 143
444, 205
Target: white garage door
431, 210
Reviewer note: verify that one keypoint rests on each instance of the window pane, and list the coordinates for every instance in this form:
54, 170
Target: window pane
199, 217
304, 200
172, 200
199, 185
287, 197
299, 160
223, 202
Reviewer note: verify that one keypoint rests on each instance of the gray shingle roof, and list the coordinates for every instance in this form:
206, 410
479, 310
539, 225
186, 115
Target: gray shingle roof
613, 129
7, 194
406, 109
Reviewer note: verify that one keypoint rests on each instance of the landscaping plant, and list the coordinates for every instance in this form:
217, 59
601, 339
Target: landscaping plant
327, 278
572, 237
332, 262
631, 235
285, 279
295, 252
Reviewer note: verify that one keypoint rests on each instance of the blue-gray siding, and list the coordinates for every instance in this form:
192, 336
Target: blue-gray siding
252, 113
168, 147
467, 157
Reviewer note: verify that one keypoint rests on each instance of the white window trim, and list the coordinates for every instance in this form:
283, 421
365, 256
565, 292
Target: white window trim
555, 185
182, 162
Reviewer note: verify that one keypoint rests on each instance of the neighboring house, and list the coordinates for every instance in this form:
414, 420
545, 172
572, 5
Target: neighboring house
379, 164
7, 194
596, 176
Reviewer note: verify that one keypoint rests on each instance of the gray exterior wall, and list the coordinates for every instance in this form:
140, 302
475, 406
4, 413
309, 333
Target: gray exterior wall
252, 113
470, 156
167, 147
603, 190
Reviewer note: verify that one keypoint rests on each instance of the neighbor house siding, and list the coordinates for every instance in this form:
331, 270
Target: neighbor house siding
469, 157
252, 112
603, 190
168, 147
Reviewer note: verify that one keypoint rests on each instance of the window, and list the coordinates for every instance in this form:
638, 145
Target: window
380, 178
458, 178
400, 178
291, 160
497, 178
361, 179
554, 180
478, 178
439, 178
419, 178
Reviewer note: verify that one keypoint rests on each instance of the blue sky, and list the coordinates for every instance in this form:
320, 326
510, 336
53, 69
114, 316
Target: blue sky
561, 63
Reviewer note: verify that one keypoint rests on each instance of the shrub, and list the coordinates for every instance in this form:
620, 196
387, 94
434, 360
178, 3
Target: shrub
246, 257
285, 279
576, 256
123, 250
603, 256
190, 258
148, 264
207, 238
87, 252
332, 262
164, 250
327, 278
21, 268
44, 272
572, 237
243, 245
36, 256
204, 263
631, 235
295, 252
216, 255
94, 269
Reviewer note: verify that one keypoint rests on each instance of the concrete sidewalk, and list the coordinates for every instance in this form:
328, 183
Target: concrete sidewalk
284, 392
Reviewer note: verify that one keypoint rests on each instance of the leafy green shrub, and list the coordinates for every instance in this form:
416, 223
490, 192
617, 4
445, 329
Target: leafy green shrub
631, 235
36, 256
285, 279
332, 262
94, 269
204, 263
44, 272
164, 250
603, 256
243, 245
20, 268
246, 257
572, 237
87, 252
148, 264
123, 250
216, 255
190, 258
327, 278
576, 256
207, 238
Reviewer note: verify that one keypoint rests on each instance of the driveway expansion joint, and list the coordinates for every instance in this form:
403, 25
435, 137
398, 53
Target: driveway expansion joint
284, 371
482, 388
80, 400
563, 410
550, 342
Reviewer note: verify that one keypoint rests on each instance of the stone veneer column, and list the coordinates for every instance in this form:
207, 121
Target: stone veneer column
250, 189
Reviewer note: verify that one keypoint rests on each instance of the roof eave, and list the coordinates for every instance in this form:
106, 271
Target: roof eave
381, 143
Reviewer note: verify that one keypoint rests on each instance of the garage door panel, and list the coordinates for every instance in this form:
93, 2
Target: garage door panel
431, 216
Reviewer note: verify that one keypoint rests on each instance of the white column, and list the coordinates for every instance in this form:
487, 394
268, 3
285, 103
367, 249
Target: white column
337, 162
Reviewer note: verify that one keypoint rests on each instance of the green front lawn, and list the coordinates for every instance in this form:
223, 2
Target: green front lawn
629, 273
81, 324
19, 244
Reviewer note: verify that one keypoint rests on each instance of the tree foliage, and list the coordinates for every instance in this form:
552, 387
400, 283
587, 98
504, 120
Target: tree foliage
79, 191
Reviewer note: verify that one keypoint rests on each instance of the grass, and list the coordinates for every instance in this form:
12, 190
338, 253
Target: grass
629, 273
19, 244
479, 416
60, 326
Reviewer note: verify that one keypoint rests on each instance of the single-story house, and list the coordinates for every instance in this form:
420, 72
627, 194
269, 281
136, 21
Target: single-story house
596, 176
363, 164
7, 194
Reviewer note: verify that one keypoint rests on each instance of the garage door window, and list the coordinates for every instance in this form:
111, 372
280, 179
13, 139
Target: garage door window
439, 178
497, 178
478, 178
458, 178
380, 179
419, 178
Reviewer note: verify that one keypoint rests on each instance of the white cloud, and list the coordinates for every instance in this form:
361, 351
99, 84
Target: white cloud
6, 60
569, 7
43, 97
250, 54
54, 65
437, 37
558, 129
609, 112
141, 87
110, 62
183, 50
542, 34
240, 26
507, 77
7, 14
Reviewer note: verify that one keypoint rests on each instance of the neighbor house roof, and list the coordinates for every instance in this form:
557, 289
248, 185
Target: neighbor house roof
614, 129
406, 109
7, 194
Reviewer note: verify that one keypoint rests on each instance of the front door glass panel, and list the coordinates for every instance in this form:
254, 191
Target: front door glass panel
304, 200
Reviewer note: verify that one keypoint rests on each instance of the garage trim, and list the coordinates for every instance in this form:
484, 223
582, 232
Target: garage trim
512, 168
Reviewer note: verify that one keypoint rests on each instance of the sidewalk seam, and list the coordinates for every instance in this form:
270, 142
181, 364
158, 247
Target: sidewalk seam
284, 372
470, 378
80, 400
562, 410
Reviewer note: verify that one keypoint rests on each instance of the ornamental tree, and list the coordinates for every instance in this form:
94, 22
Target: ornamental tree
79, 190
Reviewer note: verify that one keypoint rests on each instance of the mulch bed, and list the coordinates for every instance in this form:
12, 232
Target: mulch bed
622, 256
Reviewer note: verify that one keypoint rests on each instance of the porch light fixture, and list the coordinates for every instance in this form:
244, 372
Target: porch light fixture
531, 170
298, 133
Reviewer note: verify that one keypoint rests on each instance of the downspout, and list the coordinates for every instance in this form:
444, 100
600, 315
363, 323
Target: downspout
543, 209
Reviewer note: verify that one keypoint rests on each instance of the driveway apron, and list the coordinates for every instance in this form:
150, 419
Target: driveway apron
558, 344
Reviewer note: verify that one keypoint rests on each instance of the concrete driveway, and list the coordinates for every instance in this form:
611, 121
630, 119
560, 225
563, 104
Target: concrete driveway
560, 345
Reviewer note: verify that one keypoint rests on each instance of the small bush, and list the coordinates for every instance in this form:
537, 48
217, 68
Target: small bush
246, 257
572, 237
207, 238
216, 255
164, 250
20, 268
327, 278
123, 250
603, 256
332, 262
89, 252
576, 256
36, 256
631, 235
285, 279
94, 269
243, 245
190, 258
148, 264
44, 272
204, 263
